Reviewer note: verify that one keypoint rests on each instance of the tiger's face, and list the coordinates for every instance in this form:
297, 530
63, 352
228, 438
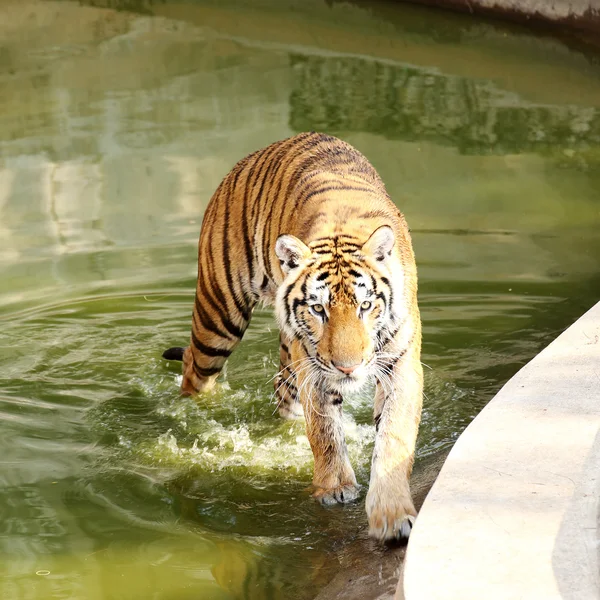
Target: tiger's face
338, 300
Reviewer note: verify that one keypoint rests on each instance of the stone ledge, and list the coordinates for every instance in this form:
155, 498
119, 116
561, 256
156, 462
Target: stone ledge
514, 511
582, 15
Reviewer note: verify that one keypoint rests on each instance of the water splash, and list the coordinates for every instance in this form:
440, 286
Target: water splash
219, 447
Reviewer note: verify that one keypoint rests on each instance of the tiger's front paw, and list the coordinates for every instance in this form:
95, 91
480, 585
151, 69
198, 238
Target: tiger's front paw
390, 518
341, 494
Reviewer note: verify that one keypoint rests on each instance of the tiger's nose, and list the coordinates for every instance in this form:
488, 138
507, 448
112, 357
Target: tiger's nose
345, 369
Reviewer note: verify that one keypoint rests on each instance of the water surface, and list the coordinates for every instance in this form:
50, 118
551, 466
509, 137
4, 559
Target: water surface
117, 122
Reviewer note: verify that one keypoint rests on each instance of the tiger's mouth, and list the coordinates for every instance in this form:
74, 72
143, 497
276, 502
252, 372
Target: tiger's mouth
349, 381
348, 384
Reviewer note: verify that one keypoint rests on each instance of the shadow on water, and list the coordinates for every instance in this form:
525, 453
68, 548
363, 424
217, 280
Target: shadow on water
118, 120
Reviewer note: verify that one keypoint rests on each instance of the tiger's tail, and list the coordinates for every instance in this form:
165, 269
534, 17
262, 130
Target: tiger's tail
175, 353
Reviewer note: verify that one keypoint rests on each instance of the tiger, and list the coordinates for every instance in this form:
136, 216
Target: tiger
306, 225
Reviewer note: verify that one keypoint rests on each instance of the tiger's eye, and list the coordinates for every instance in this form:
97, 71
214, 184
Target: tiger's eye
366, 305
318, 308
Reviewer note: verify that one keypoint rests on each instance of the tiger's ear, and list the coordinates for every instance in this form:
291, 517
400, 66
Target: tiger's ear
290, 251
380, 244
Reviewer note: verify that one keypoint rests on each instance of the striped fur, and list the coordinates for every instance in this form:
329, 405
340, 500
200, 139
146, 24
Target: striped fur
306, 225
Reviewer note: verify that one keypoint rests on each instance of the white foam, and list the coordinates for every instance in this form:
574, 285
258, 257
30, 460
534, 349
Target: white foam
220, 447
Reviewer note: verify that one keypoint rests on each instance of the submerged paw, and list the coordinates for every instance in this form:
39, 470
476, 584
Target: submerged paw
337, 495
398, 531
392, 524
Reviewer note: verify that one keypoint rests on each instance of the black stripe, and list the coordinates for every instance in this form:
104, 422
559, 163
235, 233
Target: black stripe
207, 322
249, 296
316, 247
335, 238
209, 350
286, 297
389, 335
287, 387
226, 322
306, 178
201, 372
233, 329
293, 152
268, 217
205, 255
262, 176
374, 282
304, 183
243, 310
310, 147
335, 398
322, 190
299, 176
245, 225
219, 303
300, 301
347, 247
273, 165
213, 294
296, 303
373, 214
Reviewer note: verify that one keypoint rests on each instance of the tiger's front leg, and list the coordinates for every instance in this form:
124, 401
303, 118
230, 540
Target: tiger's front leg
334, 478
286, 383
398, 402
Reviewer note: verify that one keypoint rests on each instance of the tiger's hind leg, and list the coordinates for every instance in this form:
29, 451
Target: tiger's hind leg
286, 382
216, 331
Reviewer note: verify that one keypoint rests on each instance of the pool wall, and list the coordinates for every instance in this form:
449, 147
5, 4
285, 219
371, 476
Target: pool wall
581, 15
514, 511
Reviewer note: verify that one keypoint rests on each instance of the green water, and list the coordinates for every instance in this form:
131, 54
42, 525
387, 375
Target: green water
115, 128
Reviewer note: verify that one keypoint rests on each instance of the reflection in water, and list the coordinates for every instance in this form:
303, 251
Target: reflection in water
115, 128
406, 103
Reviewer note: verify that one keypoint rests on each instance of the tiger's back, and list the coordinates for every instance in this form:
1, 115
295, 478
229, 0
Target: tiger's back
307, 225
312, 186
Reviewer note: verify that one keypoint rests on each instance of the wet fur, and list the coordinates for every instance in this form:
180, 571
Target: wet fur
302, 224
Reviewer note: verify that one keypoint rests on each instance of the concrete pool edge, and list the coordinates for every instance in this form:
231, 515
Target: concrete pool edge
514, 510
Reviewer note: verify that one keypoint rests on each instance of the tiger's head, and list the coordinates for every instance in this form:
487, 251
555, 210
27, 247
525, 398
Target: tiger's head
340, 299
